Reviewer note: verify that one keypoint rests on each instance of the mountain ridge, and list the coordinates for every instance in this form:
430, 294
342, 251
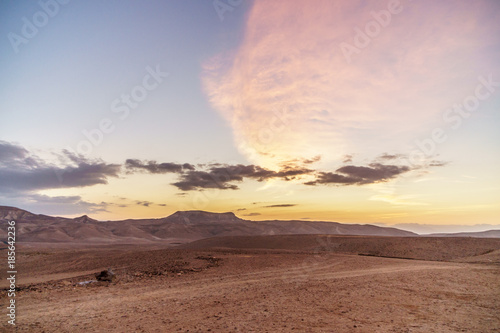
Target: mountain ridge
178, 228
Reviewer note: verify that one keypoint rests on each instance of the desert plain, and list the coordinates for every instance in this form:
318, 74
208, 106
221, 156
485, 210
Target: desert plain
292, 283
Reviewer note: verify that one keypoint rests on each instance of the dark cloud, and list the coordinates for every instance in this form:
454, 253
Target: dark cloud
388, 157
291, 172
194, 180
223, 176
252, 214
148, 203
302, 161
21, 171
56, 200
24, 172
347, 159
9, 151
375, 172
64, 205
360, 175
280, 206
86, 173
437, 163
312, 160
332, 178
154, 167
241, 209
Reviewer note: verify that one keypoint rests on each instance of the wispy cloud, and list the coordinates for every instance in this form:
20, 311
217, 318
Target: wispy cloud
66, 205
252, 214
400, 200
288, 91
280, 206
347, 158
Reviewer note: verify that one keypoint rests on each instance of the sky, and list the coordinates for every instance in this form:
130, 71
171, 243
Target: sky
382, 112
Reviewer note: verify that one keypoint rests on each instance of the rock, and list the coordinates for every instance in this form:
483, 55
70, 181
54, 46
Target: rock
107, 275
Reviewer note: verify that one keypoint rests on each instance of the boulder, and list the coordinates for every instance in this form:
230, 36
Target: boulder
107, 275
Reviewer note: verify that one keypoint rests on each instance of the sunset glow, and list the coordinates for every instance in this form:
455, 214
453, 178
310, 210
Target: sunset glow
349, 111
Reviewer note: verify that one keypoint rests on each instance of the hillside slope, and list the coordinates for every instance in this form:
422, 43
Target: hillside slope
178, 228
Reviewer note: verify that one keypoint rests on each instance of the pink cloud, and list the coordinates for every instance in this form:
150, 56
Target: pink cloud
290, 91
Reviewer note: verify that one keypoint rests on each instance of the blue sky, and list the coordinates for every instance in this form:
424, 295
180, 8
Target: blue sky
270, 110
64, 79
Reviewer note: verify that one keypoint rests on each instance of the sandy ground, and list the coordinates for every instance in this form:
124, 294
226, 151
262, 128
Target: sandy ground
252, 291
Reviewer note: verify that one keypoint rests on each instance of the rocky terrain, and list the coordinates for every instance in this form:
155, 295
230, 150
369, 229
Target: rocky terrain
204, 272
178, 228
282, 284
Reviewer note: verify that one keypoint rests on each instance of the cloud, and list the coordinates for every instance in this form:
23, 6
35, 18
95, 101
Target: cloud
226, 176
61, 205
400, 200
223, 176
56, 200
280, 206
374, 172
307, 161
252, 214
386, 156
144, 203
437, 163
333, 178
194, 180
218, 175
21, 171
347, 158
288, 91
24, 172
360, 175
154, 167
10, 151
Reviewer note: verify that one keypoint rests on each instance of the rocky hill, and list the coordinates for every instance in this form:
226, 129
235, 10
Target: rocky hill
178, 228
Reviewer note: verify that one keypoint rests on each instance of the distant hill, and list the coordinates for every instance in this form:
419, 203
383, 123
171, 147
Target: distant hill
178, 228
479, 234
181, 227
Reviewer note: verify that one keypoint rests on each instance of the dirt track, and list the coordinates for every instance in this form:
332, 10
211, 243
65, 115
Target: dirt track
262, 291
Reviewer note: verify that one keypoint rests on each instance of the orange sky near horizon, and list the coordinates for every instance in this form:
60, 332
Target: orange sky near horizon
350, 111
